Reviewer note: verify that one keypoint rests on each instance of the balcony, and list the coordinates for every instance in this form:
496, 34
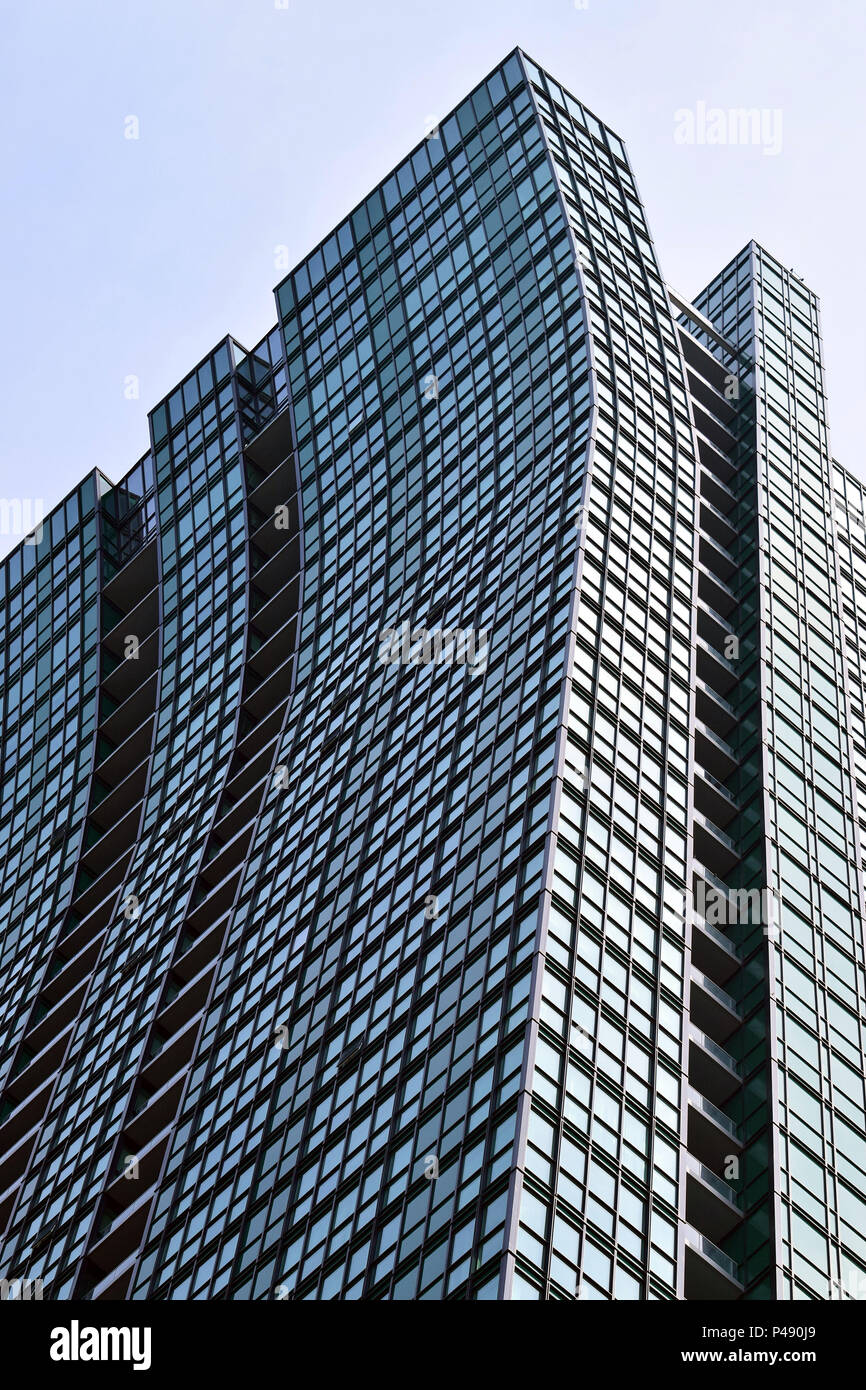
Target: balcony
709, 390
273, 573
80, 928
23, 1115
124, 677
45, 1021
141, 620
224, 859
122, 1191
716, 460
714, 710
117, 762
237, 815
209, 910
106, 846
180, 1004
273, 612
712, 1206
717, 558
270, 539
202, 950
710, 1274
715, 591
712, 1009
714, 753
714, 490
712, 1070
271, 651
125, 718
90, 891
267, 492
713, 793
716, 524
694, 352
121, 1236
136, 577
713, 626
36, 1067
107, 814
65, 972
274, 690
168, 1055
712, 428
115, 1285
713, 845
713, 667
273, 444
13, 1164
254, 735
712, 1135
712, 952
155, 1112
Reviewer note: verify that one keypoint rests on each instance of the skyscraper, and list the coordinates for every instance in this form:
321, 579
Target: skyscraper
430, 804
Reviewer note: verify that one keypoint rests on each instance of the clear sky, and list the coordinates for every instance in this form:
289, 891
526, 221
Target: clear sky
262, 122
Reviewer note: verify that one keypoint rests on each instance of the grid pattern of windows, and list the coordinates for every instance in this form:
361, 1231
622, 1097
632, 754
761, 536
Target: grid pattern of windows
598, 1210
820, 995
810, 606
180, 751
343, 961
736, 763
436, 359
49, 635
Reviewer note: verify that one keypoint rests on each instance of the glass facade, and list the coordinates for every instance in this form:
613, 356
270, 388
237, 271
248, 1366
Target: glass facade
387, 759
809, 599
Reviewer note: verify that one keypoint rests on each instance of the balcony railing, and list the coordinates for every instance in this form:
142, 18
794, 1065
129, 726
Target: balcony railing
713, 1113
712, 1252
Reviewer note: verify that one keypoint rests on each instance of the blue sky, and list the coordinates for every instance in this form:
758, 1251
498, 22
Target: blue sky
262, 122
